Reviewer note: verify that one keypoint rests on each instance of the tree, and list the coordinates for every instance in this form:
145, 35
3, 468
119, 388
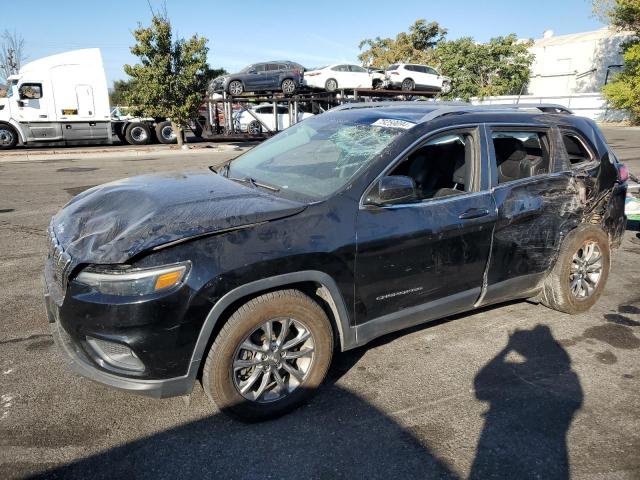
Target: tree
171, 78
11, 54
498, 67
624, 91
118, 94
501, 66
415, 46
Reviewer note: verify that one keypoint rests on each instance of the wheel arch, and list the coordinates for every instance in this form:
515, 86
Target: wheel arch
16, 128
318, 285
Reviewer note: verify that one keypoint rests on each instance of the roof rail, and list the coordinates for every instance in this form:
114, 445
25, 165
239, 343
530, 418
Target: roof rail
445, 108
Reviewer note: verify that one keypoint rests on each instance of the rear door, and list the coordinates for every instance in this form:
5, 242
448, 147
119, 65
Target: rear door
536, 202
426, 259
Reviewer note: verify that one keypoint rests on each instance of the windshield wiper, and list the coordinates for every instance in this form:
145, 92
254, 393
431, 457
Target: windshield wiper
253, 182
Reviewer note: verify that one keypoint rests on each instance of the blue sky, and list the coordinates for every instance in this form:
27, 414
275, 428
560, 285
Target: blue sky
312, 33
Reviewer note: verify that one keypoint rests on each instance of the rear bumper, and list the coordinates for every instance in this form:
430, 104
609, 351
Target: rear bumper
81, 364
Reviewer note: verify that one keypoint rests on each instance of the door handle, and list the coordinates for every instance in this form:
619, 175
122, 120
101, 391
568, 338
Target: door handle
473, 213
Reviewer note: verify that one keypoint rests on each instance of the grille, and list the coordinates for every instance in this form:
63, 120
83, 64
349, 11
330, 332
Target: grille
60, 261
111, 348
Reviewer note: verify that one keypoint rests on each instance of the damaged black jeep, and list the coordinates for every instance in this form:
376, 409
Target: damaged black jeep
347, 226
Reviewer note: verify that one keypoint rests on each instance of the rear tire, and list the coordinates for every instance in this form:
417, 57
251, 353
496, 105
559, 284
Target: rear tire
8, 137
165, 133
581, 271
288, 86
331, 85
137, 133
276, 388
408, 84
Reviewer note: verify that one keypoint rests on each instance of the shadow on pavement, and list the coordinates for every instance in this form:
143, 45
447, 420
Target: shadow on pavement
341, 435
533, 395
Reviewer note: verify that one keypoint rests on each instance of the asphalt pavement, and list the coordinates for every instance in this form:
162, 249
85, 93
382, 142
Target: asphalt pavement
512, 391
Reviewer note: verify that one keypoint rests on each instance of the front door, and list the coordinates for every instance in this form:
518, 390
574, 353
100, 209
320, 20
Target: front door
426, 259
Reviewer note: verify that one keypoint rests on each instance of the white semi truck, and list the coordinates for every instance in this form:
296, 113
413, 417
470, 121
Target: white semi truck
63, 99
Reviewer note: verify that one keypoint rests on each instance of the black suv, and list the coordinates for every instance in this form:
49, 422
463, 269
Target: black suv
260, 77
347, 226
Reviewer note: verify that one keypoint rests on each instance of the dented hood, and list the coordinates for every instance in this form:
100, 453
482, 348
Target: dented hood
113, 222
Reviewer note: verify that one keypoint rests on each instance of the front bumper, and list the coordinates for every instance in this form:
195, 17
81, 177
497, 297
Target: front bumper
81, 364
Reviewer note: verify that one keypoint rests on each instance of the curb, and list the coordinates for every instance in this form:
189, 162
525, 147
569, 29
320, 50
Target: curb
88, 154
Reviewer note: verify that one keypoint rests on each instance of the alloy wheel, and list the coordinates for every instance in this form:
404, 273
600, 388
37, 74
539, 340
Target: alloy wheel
586, 270
288, 86
168, 133
273, 360
235, 87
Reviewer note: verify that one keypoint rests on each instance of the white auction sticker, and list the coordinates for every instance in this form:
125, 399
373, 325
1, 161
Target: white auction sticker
393, 123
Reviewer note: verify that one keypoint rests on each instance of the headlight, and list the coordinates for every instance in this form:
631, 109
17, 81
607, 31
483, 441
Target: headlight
133, 282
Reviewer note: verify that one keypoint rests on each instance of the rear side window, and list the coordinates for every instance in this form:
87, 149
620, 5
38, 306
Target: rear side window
431, 71
392, 67
520, 154
577, 148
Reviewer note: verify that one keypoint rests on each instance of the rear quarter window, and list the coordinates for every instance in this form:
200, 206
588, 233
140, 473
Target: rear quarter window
578, 149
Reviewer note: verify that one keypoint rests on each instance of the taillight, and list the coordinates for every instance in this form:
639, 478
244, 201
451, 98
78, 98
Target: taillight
313, 74
623, 173
395, 73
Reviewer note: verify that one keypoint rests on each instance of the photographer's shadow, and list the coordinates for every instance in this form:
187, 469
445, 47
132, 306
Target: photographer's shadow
533, 395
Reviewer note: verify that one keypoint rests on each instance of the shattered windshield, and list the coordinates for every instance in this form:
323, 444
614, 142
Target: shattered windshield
315, 158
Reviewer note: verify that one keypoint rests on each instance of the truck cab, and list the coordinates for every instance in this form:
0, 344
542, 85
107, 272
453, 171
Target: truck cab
57, 99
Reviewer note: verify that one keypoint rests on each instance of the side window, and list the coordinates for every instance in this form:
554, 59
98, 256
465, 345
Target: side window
282, 66
30, 91
431, 71
520, 154
283, 111
272, 67
576, 148
441, 167
259, 67
340, 68
410, 68
357, 69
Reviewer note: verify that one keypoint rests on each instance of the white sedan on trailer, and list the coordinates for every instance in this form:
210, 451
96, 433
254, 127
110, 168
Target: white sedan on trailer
342, 76
245, 122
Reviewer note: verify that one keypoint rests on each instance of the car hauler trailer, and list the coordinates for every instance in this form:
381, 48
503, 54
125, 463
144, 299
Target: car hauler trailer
63, 99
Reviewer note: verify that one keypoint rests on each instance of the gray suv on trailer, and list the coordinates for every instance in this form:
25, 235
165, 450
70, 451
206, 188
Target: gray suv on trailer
259, 77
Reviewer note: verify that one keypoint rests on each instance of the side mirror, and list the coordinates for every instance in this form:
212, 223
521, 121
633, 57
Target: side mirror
393, 189
252, 71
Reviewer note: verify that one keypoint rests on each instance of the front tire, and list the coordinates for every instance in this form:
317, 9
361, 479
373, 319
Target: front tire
254, 127
269, 357
8, 137
581, 271
236, 87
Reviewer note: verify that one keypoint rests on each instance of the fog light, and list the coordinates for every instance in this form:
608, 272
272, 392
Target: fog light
116, 354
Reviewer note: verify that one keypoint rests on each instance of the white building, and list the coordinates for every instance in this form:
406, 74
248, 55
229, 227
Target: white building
571, 70
576, 63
